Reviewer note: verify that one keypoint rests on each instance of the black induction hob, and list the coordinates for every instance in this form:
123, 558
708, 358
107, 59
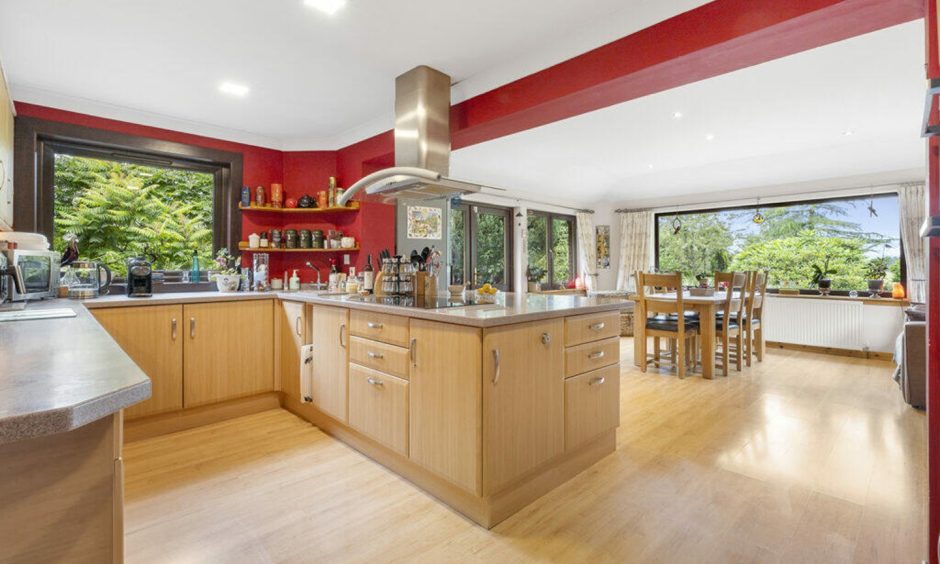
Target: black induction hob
418, 302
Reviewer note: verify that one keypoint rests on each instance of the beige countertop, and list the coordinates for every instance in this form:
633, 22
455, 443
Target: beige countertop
60, 374
510, 308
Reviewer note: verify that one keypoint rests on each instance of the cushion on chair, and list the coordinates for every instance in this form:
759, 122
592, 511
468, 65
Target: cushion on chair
666, 323
720, 323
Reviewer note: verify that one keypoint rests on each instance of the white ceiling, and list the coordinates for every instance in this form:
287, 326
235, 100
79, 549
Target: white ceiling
317, 82
778, 126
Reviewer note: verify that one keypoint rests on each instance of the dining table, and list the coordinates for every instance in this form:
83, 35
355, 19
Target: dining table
706, 306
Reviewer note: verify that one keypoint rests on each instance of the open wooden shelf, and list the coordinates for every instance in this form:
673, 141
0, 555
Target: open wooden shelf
352, 207
243, 246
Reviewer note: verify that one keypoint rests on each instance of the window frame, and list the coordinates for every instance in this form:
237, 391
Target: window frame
37, 141
471, 243
550, 244
783, 204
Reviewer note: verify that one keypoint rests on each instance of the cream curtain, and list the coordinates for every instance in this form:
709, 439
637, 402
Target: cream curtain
587, 250
636, 243
913, 209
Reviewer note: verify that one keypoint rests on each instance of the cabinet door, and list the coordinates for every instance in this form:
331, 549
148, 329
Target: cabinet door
445, 405
523, 399
153, 337
228, 351
330, 338
292, 334
6, 156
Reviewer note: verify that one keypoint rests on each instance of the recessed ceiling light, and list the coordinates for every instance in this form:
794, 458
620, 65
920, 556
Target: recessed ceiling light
651, 166
710, 137
848, 132
233, 89
677, 115
328, 7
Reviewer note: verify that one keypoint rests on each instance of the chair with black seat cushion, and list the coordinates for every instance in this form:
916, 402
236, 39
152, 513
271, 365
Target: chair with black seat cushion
666, 317
730, 320
753, 316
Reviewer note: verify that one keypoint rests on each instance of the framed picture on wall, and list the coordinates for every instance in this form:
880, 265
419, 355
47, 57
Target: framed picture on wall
603, 247
425, 222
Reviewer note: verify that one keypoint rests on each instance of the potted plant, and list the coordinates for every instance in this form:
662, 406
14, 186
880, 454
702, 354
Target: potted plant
534, 275
226, 275
876, 270
821, 277
702, 280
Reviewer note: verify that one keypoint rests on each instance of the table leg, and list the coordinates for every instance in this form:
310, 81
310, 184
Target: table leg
639, 334
707, 319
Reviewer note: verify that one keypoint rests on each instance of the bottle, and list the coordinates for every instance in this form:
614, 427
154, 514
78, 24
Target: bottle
294, 281
194, 271
331, 192
246, 197
334, 276
368, 275
259, 196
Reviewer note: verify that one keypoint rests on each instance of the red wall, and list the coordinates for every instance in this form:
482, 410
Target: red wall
305, 172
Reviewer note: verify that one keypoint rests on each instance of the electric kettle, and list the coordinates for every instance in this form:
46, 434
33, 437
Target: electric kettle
87, 279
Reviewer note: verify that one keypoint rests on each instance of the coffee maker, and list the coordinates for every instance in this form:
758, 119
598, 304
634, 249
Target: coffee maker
139, 278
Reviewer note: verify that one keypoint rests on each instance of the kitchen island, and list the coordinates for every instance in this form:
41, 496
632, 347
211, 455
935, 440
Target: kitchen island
486, 406
63, 385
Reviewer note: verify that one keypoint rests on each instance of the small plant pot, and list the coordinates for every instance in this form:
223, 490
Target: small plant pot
533, 286
227, 282
825, 285
875, 287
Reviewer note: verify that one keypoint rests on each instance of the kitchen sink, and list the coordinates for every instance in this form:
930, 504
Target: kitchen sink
33, 314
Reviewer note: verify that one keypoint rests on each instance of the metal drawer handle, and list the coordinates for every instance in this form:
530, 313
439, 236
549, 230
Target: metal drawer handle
414, 348
192, 327
375, 382
297, 328
598, 326
373, 325
597, 381
342, 331
375, 355
496, 360
596, 355
173, 329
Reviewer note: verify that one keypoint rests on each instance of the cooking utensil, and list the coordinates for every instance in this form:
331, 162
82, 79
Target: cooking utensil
88, 279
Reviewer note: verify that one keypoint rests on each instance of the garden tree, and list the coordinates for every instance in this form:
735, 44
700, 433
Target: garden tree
823, 218
702, 245
491, 248
120, 210
791, 259
538, 245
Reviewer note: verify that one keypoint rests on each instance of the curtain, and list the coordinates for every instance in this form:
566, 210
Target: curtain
912, 208
587, 250
522, 224
636, 242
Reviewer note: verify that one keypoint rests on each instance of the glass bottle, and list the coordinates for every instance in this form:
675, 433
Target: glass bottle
368, 275
194, 269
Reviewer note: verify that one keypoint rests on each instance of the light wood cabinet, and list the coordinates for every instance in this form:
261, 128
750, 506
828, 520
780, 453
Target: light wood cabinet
591, 327
378, 407
392, 329
291, 333
591, 356
445, 402
6, 156
330, 339
592, 405
523, 399
228, 350
152, 336
379, 356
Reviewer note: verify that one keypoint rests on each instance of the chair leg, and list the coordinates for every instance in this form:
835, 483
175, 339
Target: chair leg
748, 345
656, 351
680, 366
644, 363
738, 351
759, 334
725, 354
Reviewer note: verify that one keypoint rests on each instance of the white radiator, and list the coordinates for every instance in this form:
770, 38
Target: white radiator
816, 322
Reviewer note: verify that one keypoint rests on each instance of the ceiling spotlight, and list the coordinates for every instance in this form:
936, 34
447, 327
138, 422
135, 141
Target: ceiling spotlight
328, 7
651, 166
848, 132
233, 89
677, 115
710, 137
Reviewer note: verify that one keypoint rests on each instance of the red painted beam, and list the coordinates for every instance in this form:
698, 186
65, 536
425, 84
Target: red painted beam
932, 44
714, 39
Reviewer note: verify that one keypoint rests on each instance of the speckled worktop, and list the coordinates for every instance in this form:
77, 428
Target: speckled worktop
60, 374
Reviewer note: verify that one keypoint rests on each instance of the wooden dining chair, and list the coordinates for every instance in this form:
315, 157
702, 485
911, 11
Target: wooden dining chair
753, 316
729, 323
668, 319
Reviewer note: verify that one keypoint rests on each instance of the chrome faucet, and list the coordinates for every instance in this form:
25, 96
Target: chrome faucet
319, 285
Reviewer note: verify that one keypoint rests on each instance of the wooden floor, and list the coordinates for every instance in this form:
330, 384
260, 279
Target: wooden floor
803, 458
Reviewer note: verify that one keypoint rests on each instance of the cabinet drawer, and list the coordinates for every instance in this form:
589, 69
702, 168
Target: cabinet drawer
380, 356
392, 329
591, 356
592, 405
378, 407
591, 327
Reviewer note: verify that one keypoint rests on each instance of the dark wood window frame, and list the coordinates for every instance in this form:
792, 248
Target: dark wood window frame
37, 141
471, 245
550, 243
902, 266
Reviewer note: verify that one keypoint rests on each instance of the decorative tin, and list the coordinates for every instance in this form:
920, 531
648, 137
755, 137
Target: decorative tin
305, 241
290, 238
317, 238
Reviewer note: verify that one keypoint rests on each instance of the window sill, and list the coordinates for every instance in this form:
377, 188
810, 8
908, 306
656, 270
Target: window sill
904, 302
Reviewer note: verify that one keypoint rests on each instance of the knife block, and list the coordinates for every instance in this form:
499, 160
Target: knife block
377, 285
421, 278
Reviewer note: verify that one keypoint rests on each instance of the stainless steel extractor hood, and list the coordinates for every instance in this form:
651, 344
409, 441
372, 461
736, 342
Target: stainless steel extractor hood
422, 143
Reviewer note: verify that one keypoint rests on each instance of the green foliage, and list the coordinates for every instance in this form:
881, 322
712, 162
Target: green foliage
700, 247
561, 250
491, 249
792, 260
877, 268
120, 210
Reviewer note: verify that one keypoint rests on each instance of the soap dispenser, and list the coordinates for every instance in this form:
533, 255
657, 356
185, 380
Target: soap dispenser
294, 281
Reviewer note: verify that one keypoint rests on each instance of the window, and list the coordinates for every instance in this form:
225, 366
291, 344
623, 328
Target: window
481, 245
849, 238
552, 256
121, 209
